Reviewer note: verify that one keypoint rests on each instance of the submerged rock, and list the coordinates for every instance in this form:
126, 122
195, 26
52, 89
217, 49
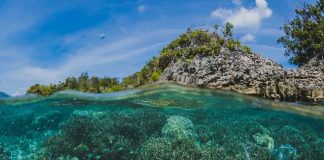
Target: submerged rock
179, 127
284, 152
264, 140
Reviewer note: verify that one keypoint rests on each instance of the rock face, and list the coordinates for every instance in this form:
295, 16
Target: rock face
250, 74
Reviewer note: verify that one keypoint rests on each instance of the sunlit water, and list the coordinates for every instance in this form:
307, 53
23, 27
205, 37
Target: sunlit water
158, 122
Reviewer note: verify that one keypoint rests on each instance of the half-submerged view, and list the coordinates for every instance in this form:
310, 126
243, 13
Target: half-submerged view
162, 80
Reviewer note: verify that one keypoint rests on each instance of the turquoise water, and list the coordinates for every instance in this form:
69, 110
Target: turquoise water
158, 122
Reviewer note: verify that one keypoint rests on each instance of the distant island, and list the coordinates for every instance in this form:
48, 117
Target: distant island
3, 95
214, 59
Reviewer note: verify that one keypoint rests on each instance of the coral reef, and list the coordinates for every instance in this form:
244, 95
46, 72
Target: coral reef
319, 146
47, 121
150, 133
284, 152
258, 153
179, 127
218, 128
264, 140
3, 154
167, 148
18, 125
104, 135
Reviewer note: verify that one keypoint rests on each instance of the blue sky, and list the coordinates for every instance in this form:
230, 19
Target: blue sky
46, 41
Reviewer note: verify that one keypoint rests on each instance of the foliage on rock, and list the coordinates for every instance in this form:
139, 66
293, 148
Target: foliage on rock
199, 42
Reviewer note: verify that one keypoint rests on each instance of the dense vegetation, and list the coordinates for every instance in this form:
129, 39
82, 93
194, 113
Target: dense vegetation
82, 83
199, 42
304, 35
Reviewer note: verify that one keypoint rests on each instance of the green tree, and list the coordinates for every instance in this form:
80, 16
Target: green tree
83, 82
42, 89
155, 76
108, 82
228, 31
304, 35
130, 81
94, 85
216, 27
71, 83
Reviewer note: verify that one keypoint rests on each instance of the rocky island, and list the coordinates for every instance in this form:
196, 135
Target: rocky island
3, 95
154, 121
250, 74
208, 59
214, 59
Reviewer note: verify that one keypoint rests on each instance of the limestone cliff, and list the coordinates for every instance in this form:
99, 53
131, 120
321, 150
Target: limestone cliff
250, 74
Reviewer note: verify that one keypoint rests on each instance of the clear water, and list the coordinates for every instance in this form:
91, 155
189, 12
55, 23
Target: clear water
158, 122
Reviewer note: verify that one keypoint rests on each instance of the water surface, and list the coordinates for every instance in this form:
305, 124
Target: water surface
158, 122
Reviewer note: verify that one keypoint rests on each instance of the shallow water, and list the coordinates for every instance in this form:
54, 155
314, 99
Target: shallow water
158, 122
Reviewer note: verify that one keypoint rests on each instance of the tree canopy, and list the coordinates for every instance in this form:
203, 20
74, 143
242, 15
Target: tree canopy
304, 35
82, 83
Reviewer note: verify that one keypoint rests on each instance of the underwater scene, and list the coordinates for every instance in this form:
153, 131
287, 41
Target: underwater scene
159, 122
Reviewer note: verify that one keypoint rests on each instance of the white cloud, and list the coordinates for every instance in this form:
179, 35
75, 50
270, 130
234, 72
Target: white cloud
81, 62
237, 2
86, 58
141, 8
248, 38
245, 17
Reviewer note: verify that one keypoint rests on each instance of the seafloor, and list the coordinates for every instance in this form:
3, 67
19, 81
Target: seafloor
163, 123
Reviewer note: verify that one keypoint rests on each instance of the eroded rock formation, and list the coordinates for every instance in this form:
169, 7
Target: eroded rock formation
250, 74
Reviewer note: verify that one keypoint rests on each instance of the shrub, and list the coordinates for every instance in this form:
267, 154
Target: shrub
304, 35
155, 76
247, 50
